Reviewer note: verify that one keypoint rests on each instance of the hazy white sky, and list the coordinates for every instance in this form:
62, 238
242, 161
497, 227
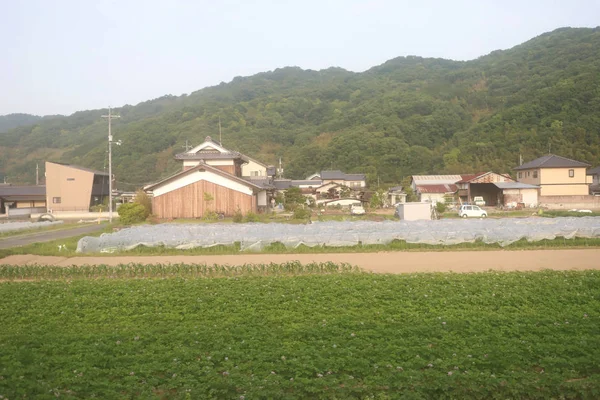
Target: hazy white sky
62, 56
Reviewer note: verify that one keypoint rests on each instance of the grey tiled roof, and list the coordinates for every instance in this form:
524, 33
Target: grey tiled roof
93, 171
593, 171
552, 161
337, 174
282, 184
9, 190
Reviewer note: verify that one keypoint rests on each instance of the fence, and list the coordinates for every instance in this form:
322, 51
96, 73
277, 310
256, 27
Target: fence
569, 202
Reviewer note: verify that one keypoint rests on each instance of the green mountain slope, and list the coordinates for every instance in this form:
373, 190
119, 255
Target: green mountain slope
407, 116
11, 121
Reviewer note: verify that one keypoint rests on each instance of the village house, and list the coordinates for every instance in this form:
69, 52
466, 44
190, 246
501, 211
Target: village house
213, 179
21, 201
594, 173
493, 188
434, 188
555, 175
74, 188
353, 181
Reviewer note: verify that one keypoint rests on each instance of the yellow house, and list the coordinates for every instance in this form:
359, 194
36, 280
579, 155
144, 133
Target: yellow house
556, 176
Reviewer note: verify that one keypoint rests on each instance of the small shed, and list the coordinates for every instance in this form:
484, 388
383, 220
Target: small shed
414, 211
515, 193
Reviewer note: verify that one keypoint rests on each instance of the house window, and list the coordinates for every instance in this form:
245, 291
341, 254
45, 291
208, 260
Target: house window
255, 173
571, 173
535, 174
528, 174
520, 174
70, 179
56, 200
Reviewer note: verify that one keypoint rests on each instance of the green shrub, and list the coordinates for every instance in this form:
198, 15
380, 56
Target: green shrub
238, 216
143, 199
440, 207
251, 217
99, 208
302, 213
132, 213
211, 216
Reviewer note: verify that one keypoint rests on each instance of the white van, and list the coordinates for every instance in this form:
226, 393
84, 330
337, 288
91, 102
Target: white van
471, 211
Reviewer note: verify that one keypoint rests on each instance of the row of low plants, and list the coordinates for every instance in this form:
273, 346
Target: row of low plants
46, 272
328, 336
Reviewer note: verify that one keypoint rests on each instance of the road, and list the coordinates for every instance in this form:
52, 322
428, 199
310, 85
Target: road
25, 238
384, 262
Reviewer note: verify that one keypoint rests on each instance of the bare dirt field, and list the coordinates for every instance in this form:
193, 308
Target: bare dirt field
385, 262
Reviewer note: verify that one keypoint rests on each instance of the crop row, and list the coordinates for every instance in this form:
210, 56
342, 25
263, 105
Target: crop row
44, 272
336, 335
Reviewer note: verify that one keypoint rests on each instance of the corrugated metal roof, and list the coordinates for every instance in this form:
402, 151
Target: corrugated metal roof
443, 188
552, 161
515, 185
435, 179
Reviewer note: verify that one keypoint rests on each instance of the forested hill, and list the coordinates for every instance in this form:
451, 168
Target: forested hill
410, 115
11, 121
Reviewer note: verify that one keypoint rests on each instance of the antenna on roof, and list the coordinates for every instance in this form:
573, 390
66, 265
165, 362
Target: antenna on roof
187, 146
220, 139
520, 159
549, 147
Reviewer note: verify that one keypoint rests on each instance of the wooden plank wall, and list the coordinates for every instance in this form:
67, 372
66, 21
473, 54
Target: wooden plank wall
227, 168
188, 201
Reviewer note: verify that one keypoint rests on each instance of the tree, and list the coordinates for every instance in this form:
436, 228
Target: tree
144, 200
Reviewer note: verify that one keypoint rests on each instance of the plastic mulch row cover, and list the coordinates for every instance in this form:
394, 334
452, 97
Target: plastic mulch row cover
254, 236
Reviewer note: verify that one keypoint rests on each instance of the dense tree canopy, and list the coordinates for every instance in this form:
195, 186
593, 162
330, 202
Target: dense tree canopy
410, 115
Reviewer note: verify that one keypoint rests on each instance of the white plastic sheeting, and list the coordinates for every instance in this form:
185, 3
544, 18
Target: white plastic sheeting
335, 234
21, 226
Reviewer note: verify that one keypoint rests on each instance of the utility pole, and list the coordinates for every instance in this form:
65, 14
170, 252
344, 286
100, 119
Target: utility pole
187, 146
110, 141
220, 139
37, 174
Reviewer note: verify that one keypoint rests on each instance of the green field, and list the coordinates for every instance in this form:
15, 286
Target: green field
297, 332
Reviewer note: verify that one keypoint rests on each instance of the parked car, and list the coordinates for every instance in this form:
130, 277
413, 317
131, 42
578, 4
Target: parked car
478, 200
357, 209
471, 211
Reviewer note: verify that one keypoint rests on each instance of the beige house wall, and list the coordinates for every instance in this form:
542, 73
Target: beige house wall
351, 184
254, 169
561, 175
433, 197
556, 181
564, 190
526, 176
73, 186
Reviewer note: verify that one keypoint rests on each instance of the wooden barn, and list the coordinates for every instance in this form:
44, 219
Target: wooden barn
194, 192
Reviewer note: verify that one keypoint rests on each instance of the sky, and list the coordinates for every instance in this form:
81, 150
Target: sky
63, 56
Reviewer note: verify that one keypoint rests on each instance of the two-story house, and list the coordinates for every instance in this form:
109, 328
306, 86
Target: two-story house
555, 175
211, 180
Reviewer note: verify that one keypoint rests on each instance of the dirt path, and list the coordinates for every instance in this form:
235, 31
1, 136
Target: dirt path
385, 262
